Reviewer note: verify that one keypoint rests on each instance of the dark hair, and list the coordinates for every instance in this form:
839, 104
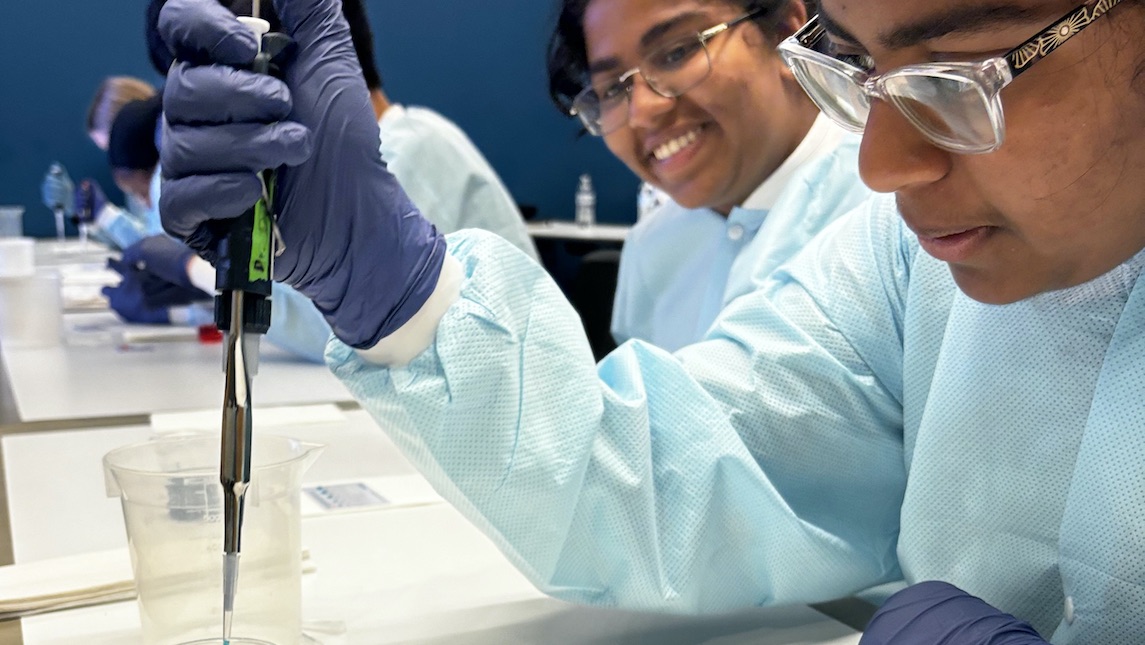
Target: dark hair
353, 10
161, 57
363, 37
131, 142
567, 58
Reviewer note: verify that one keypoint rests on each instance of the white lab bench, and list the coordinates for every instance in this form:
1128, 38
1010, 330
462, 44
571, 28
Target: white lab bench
99, 376
413, 574
564, 230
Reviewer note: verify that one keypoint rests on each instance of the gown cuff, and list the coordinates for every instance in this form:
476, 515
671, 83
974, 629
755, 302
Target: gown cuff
201, 274
416, 335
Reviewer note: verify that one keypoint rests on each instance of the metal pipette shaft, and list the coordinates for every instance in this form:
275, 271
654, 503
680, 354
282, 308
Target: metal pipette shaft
234, 473
235, 459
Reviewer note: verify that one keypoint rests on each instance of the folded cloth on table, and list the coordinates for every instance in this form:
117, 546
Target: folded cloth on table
41, 586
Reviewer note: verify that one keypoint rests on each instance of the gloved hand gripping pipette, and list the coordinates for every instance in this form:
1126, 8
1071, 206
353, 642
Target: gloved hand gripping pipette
242, 309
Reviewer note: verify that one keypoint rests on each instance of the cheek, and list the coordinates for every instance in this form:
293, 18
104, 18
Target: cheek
751, 100
1058, 150
623, 145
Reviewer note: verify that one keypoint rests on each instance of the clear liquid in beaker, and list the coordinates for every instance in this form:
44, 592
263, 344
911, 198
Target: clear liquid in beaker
172, 508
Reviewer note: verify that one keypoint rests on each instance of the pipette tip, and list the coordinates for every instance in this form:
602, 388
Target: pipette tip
230, 585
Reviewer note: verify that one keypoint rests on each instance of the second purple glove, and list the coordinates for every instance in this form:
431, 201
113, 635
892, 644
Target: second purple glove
938, 613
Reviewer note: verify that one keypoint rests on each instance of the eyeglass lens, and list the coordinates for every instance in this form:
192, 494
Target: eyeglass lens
952, 111
669, 71
836, 93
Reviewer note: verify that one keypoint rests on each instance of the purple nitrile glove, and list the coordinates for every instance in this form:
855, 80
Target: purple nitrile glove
162, 263
128, 300
89, 201
145, 292
354, 244
162, 256
938, 613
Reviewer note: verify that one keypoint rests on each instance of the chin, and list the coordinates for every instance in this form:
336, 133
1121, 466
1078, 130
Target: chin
688, 199
691, 193
987, 288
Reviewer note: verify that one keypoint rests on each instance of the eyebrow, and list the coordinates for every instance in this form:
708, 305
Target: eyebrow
646, 41
834, 28
966, 19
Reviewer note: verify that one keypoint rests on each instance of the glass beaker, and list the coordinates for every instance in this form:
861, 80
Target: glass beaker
172, 508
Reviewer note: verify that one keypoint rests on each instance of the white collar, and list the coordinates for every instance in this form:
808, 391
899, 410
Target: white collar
823, 137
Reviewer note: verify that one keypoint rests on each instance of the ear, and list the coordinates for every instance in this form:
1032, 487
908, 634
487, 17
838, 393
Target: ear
793, 15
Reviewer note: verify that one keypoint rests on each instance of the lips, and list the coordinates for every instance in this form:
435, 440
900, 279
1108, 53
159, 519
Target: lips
957, 246
669, 156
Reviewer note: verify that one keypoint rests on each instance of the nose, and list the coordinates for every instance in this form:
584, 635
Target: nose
894, 155
645, 107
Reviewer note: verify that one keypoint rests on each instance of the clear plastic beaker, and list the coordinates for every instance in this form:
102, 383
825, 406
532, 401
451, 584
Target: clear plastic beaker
172, 507
31, 310
11, 221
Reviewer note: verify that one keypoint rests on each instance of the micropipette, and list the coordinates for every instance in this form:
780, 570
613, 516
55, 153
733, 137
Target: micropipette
58, 209
242, 309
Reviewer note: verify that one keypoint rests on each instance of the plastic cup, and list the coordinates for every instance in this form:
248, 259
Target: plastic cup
11, 221
31, 310
17, 256
172, 507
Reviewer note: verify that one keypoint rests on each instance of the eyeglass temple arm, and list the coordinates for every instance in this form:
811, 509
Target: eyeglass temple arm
810, 33
1042, 44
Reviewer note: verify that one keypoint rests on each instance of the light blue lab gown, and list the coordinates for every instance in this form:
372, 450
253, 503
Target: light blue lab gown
854, 420
680, 267
446, 177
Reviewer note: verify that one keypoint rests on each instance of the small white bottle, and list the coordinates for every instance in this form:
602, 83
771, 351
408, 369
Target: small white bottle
585, 202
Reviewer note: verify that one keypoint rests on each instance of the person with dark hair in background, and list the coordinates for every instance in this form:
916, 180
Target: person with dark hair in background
133, 153
709, 115
133, 160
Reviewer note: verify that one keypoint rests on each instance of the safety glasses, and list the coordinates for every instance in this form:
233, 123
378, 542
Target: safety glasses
955, 105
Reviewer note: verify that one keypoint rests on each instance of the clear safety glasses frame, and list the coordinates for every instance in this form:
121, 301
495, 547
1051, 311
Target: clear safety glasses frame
587, 103
957, 106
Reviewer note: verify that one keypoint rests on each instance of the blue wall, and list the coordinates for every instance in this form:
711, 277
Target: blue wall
479, 63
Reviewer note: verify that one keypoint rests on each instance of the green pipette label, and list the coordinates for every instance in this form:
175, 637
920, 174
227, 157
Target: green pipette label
259, 268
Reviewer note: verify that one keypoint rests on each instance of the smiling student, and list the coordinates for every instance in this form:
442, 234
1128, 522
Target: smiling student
694, 99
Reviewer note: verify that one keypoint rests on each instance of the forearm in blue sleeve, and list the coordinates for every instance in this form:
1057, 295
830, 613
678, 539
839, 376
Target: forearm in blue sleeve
630, 484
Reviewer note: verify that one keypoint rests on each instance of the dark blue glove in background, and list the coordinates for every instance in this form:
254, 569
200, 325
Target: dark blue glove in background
164, 257
354, 244
89, 201
128, 299
937, 613
155, 278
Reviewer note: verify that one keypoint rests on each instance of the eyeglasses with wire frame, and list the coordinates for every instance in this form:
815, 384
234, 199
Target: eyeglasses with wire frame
669, 70
955, 105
